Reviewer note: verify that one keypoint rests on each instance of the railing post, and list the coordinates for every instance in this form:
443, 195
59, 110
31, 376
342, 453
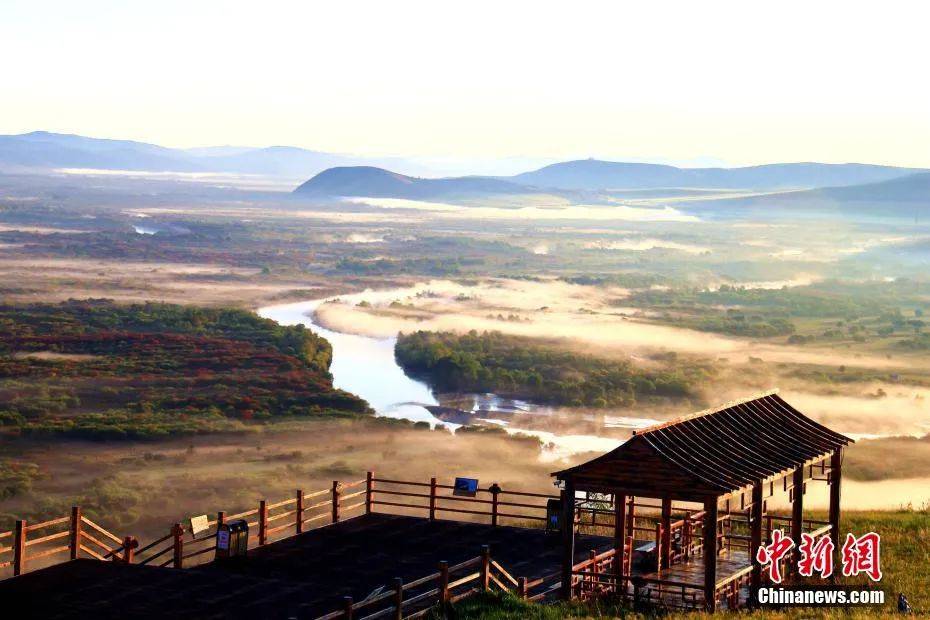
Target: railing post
299, 512
495, 491
443, 582
658, 546
74, 541
335, 501
432, 499
689, 532
398, 598
592, 579
129, 546
347, 607
369, 491
485, 567
262, 522
178, 533
521, 588
220, 518
19, 547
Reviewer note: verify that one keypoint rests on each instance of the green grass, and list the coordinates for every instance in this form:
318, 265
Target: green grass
905, 564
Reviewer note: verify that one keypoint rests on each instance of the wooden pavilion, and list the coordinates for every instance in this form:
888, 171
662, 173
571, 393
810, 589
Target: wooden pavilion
714, 472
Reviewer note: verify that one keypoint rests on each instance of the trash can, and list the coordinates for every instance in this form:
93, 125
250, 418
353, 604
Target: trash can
232, 539
553, 516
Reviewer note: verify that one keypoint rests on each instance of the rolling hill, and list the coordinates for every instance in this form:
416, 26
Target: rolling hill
904, 196
374, 182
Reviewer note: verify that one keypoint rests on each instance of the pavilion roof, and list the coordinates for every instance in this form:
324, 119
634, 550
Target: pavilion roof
714, 451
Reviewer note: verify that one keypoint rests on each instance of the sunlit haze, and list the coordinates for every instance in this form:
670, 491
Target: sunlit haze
689, 83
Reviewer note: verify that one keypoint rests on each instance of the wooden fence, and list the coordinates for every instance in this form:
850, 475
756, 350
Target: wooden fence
447, 585
436, 500
269, 520
68, 537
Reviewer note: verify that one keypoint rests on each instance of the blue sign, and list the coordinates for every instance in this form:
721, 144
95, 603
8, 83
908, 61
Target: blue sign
466, 486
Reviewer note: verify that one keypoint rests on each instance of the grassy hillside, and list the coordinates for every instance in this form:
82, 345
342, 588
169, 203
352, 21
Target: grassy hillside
905, 563
102, 370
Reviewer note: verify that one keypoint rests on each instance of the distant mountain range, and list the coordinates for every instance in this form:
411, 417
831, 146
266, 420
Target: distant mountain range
599, 176
41, 150
591, 174
344, 175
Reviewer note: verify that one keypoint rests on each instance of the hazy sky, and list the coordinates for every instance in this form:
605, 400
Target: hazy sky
746, 82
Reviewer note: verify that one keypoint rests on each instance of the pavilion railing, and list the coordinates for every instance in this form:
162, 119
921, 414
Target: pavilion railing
597, 575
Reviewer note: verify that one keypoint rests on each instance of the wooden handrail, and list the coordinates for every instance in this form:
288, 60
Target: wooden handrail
113, 537
55, 536
50, 522
153, 543
283, 502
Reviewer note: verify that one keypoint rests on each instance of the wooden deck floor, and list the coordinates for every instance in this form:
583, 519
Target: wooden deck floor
728, 564
299, 577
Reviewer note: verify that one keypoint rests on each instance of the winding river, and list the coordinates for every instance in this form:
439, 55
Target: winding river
366, 366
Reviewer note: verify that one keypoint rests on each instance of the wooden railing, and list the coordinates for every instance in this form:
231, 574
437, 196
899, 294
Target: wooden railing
74, 535
289, 516
597, 575
434, 500
449, 584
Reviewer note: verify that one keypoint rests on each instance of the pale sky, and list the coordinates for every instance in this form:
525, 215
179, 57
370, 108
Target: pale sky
746, 82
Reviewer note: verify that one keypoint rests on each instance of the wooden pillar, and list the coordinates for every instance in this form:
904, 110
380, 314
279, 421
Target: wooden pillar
710, 554
660, 542
347, 607
177, 534
619, 539
369, 491
485, 567
74, 541
299, 512
797, 513
443, 585
631, 520
666, 532
567, 523
398, 598
19, 547
129, 546
755, 540
335, 491
495, 491
262, 522
836, 475
432, 499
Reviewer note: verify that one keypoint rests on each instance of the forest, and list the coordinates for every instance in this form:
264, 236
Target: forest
96, 369
544, 371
